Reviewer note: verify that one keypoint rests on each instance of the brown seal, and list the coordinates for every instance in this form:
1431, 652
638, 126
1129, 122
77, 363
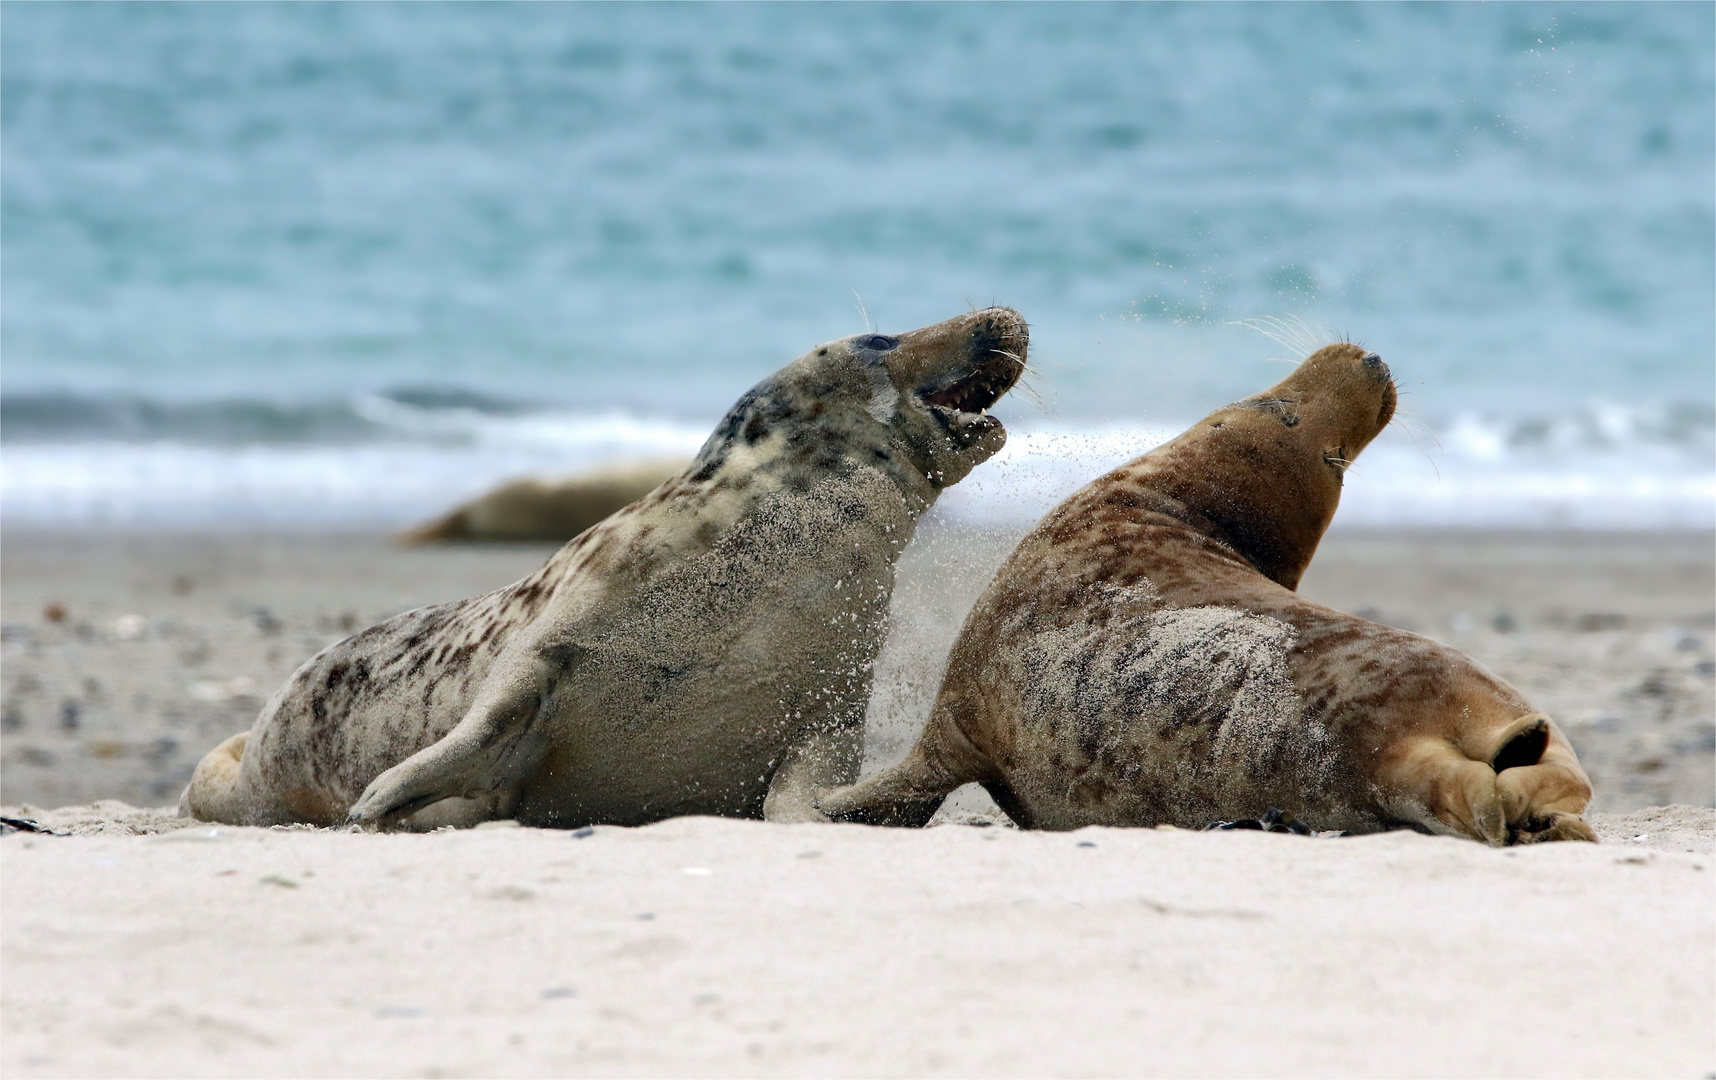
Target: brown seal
707, 650
1142, 658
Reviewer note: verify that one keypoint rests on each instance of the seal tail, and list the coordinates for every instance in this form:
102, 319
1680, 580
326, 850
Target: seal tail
215, 792
1524, 785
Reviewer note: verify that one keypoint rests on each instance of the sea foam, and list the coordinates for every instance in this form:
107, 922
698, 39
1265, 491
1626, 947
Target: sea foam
1598, 468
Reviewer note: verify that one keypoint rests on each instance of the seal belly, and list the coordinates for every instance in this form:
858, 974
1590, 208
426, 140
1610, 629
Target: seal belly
688, 701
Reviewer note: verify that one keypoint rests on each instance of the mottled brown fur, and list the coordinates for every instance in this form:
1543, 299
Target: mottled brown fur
707, 649
1142, 658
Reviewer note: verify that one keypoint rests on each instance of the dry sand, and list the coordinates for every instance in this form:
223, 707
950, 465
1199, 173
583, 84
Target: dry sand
708, 947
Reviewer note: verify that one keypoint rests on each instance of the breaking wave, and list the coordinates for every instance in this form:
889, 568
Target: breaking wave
388, 460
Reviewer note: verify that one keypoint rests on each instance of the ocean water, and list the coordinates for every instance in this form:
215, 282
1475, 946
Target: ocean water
314, 266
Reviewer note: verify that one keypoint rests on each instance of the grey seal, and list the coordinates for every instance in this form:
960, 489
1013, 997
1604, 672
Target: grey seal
706, 650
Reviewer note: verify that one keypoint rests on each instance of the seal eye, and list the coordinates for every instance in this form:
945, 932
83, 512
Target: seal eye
1372, 360
877, 342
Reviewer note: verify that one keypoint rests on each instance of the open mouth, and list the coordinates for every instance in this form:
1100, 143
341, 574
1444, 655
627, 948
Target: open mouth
963, 407
977, 391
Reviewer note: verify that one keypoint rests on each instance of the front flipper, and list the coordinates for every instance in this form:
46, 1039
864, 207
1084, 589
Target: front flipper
824, 759
497, 745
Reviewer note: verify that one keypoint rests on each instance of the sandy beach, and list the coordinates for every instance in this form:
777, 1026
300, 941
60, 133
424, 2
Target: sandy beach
164, 645
141, 945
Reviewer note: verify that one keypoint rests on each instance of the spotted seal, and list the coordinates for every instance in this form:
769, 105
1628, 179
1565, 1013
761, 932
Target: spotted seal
706, 650
1142, 658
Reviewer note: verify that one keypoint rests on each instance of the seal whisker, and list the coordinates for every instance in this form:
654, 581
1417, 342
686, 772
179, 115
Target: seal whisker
1283, 333
863, 312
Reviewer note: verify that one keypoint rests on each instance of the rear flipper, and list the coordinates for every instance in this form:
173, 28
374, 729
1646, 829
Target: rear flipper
1526, 786
1542, 800
223, 790
216, 790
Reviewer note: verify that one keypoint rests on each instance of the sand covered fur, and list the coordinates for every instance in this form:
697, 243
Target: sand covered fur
706, 649
1143, 658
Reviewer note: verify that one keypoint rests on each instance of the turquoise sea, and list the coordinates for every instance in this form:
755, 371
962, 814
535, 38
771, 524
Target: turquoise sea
328, 265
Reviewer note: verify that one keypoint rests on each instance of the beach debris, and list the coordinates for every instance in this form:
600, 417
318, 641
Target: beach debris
1086, 843
579, 834
276, 879
71, 714
54, 611
133, 627
266, 621
1273, 820
10, 825
1504, 624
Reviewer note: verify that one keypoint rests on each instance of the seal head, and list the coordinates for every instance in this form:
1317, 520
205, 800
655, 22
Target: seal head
1265, 473
914, 405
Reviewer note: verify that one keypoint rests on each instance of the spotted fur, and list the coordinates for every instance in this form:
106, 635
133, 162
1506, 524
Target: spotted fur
1142, 658
707, 649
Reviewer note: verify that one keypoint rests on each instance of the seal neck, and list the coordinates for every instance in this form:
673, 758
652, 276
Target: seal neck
1274, 518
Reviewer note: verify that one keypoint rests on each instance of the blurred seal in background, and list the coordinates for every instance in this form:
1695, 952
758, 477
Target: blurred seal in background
547, 510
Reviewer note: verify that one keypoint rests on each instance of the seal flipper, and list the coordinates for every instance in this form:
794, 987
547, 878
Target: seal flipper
1523, 786
1543, 790
823, 759
215, 792
910, 793
496, 746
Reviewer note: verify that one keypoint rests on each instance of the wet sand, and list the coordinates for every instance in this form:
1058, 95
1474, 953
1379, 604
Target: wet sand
708, 947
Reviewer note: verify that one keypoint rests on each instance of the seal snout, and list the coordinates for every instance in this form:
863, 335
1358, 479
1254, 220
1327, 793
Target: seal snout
994, 358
